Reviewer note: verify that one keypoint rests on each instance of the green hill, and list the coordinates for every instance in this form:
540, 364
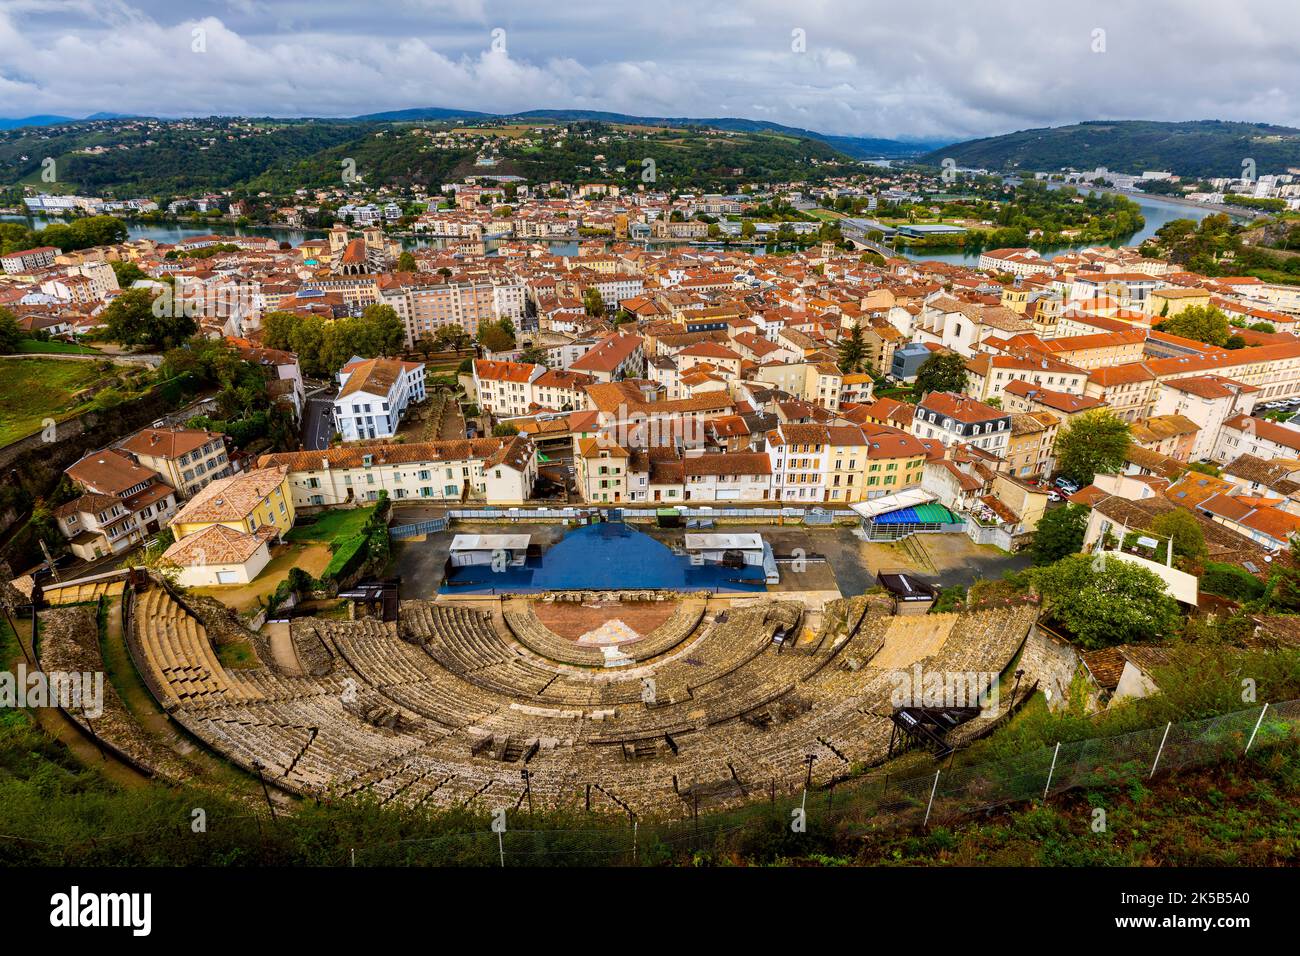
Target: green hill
1199, 149
168, 158
859, 147
148, 157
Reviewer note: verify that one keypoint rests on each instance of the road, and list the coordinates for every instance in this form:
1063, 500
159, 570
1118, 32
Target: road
318, 421
859, 239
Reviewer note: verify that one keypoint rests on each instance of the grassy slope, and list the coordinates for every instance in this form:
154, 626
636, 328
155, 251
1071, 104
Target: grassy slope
335, 525
32, 390
1234, 814
35, 347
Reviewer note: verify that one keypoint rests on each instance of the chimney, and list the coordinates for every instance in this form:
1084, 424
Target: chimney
325, 463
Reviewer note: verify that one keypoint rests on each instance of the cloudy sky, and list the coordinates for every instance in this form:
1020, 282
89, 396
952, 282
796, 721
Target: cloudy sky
914, 70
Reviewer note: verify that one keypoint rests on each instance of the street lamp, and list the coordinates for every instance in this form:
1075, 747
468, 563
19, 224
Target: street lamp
1020, 672
257, 766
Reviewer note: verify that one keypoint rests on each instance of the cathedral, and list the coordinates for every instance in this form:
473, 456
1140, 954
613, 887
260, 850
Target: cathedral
369, 254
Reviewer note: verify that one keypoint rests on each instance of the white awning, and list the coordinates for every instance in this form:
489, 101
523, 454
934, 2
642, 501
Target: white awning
1180, 585
887, 503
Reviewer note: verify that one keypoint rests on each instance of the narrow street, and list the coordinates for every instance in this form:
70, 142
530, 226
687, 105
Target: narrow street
318, 421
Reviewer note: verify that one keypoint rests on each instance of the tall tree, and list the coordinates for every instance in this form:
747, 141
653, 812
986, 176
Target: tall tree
942, 372
323, 347
1200, 323
452, 337
534, 356
1104, 601
853, 351
494, 337
1059, 534
425, 345
11, 334
134, 317
1095, 442
1184, 530
127, 273
1284, 585
381, 330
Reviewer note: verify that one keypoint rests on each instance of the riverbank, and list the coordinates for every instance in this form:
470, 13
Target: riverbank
1237, 212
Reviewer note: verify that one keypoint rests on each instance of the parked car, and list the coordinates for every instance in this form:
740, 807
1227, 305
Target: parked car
1067, 485
1055, 496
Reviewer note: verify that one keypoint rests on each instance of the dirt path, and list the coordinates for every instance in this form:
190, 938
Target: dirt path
144, 709
282, 649
57, 725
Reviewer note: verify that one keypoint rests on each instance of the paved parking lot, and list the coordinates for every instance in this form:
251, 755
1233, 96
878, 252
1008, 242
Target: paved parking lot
849, 564
420, 563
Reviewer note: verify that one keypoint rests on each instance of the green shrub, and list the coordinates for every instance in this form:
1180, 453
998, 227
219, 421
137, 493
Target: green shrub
1230, 581
345, 553
949, 600
369, 548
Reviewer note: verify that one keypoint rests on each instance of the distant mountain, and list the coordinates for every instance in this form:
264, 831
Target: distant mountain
51, 120
862, 147
34, 121
422, 113
1200, 149
856, 146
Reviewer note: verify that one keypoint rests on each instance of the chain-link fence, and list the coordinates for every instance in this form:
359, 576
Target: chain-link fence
788, 821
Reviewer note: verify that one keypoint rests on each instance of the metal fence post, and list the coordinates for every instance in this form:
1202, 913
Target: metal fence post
1256, 730
1155, 763
928, 806
1047, 788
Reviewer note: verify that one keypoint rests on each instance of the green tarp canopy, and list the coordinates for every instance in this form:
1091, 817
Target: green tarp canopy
935, 514
918, 514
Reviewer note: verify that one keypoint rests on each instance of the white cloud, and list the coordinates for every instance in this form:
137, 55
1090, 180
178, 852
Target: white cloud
923, 69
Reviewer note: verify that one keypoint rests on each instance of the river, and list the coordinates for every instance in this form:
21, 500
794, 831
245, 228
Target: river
173, 232
1155, 211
